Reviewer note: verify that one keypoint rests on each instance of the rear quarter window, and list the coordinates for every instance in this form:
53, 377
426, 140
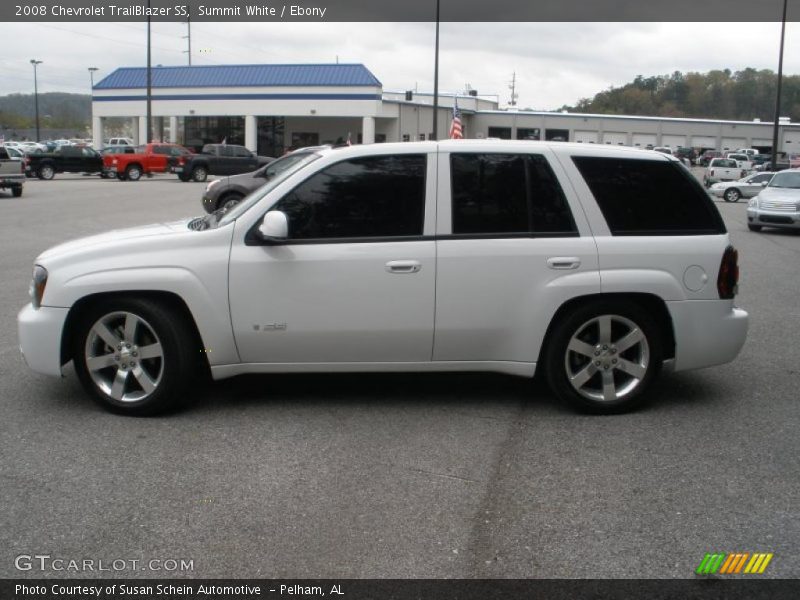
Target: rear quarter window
649, 197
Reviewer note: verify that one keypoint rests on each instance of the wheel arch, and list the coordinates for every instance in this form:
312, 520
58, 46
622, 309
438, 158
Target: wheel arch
653, 304
171, 299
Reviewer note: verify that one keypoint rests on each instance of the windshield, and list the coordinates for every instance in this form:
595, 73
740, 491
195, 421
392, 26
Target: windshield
282, 169
786, 180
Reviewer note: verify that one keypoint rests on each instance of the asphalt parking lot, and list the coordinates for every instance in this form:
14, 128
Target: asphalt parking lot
441, 476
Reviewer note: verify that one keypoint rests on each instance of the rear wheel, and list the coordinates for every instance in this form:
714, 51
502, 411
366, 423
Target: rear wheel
133, 173
604, 356
46, 172
135, 356
16, 191
199, 174
732, 195
754, 227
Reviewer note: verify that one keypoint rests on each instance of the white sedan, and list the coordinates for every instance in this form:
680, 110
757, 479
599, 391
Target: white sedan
747, 187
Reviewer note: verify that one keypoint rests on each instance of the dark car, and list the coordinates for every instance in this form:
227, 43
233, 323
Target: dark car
217, 159
707, 156
228, 191
67, 159
688, 153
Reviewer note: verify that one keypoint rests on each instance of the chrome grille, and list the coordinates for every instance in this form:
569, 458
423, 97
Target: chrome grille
777, 205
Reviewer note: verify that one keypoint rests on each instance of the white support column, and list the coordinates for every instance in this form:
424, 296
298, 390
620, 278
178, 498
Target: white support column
143, 130
173, 130
368, 130
250, 133
97, 132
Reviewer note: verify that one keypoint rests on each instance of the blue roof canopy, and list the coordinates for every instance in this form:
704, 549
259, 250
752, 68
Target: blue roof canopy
354, 75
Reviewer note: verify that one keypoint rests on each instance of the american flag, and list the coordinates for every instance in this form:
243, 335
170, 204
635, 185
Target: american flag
456, 130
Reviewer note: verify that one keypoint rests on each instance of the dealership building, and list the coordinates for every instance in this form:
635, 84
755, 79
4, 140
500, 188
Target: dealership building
269, 108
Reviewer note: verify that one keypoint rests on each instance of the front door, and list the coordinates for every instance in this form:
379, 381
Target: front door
354, 283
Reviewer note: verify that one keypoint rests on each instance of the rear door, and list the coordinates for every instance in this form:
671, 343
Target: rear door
512, 246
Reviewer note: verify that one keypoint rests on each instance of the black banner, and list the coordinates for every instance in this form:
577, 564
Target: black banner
394, 11
395, 589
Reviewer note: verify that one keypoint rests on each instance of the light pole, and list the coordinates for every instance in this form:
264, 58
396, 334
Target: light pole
91, 77
436, 79
778, 94
149, 102
35, 62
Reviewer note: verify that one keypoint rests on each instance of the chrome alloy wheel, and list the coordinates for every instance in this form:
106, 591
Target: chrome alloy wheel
607, 358
124, 357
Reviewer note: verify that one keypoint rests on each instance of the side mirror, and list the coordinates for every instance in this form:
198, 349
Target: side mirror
275, 227
764, 183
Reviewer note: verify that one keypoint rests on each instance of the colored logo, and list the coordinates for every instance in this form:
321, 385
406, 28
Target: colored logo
734, 563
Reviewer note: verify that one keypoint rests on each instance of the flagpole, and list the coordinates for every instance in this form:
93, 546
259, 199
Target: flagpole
436, 80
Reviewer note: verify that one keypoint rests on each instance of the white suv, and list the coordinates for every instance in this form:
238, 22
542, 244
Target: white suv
598, 265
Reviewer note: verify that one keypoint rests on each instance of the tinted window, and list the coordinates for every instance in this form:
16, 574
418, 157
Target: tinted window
376, 196
242, 152
647, 197
160, 149
507, 193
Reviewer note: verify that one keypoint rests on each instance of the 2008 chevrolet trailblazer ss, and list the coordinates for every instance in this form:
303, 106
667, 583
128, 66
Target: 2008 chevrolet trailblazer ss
598, 265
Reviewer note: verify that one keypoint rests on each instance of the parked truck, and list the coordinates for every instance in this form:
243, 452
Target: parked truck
12, 175
145, 160
218, 159
65, 159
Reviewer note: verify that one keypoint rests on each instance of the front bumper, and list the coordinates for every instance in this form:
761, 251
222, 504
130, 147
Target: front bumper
707, 332
40, 332
773, 218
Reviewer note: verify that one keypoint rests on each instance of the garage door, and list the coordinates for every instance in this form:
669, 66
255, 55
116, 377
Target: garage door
730, 144
762, 142
615, 139
791, 141
642, 140
586, 137
673, 141
704, 141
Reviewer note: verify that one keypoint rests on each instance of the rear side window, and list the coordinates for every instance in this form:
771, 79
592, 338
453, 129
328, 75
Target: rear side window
649, 197
375, 196
507, 194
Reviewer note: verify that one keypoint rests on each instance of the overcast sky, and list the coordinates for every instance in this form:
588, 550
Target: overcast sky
555, 63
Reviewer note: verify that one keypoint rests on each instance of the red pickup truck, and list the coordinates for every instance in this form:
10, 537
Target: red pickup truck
147, 159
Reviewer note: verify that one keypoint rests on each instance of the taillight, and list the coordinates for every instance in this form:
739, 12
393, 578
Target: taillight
728, 279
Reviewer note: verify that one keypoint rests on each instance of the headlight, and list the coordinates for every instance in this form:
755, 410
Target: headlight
38, 282
212, 183
753, 203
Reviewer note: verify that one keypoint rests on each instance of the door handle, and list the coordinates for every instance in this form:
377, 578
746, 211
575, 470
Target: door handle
403, 266
564, 262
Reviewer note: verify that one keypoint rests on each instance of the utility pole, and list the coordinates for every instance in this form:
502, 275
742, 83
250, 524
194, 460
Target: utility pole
188, 37
436, 80
513, 87
91, 78
778, 94
35, 62
149, 102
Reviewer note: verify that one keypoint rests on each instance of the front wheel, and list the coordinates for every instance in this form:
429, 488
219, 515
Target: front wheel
754, 227
16, 191
134, 356
229, 201
603, 356
200, 174
732, 195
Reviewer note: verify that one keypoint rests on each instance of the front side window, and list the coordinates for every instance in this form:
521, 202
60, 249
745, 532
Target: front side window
649, 197
375, 196
507, 194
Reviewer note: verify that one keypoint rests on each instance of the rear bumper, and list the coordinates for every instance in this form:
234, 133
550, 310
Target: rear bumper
40, 332
7, 181
707, 332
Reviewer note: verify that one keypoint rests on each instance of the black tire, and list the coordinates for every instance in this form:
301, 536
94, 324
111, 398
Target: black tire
579, 323
133, 173
754, 227
46, 172
183, 178
16, 191
176, 367
199, 174
121, 176
229, 200
732, 195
